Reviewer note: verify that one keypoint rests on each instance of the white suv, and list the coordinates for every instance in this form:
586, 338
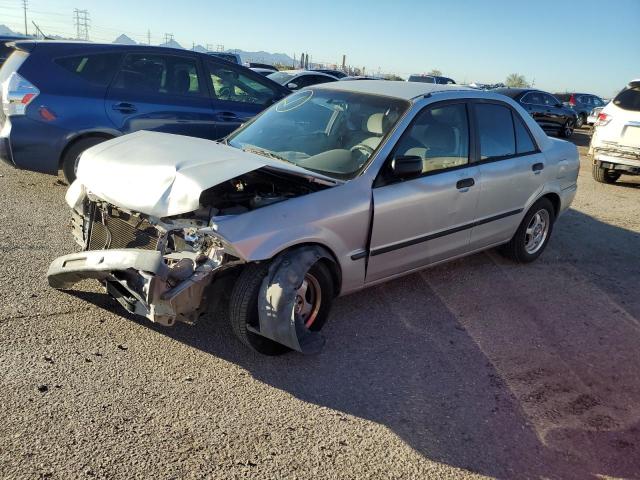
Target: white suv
615, 144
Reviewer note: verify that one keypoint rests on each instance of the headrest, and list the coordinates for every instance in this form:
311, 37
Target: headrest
374, 123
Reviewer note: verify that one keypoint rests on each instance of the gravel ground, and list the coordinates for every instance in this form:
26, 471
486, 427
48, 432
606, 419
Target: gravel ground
471, 369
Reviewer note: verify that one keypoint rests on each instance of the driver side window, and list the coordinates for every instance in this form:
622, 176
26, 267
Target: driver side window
231, 85
439, 136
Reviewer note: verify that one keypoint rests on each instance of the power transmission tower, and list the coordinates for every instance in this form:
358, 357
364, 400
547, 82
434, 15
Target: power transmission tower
149, 37
168, 37
209, 47
82, 24
24, 7
219, 48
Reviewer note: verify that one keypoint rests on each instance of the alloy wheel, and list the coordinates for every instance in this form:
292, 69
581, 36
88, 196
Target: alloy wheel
308, 300
537, 231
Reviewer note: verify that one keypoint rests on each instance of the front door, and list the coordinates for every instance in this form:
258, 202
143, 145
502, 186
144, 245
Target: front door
163, 93
424, 220
238, 94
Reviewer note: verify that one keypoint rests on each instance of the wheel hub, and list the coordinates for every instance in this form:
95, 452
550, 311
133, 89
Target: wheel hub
308, 300
537, 231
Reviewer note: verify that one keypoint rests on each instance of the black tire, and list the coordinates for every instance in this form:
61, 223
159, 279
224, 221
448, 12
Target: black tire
567, 129
603, 175
516, 248
69, 160
243, 306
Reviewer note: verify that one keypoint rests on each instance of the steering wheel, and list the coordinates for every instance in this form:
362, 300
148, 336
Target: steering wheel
362, 149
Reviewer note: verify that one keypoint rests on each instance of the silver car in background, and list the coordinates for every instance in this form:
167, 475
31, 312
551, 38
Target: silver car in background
331, 190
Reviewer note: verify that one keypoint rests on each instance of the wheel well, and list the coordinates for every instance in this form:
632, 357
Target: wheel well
73, 141
554, 198
332, 265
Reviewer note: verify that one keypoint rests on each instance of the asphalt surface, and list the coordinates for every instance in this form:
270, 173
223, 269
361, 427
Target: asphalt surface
475, 368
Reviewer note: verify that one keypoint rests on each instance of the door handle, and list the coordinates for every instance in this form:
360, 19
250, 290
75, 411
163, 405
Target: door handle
464, 184
125, 107
537, 168
227, 116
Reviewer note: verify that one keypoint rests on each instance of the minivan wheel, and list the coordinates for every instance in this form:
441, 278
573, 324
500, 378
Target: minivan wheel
72, 155
604, 175
312, 303
567, 129
533, 234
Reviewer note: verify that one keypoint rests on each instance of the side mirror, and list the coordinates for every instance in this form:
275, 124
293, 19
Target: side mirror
292, 86
406, 166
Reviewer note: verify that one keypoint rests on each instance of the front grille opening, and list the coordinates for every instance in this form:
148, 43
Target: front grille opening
112, 228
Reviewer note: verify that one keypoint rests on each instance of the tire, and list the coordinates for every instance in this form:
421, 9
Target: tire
604, 175
581, 120
518, 249
243, 306
567, 129
70, 158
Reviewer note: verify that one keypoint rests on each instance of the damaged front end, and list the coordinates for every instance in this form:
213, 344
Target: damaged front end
154, 268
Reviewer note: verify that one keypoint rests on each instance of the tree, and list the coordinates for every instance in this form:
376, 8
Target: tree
435, 72
515, 80
393, 76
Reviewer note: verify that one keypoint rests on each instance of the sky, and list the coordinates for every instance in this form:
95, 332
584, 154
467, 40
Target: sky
588, 46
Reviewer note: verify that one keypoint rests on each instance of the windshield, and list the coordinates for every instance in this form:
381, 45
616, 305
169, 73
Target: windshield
330, 132
281, 77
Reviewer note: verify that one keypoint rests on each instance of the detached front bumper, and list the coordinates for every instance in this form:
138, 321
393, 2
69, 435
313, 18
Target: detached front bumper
140, 281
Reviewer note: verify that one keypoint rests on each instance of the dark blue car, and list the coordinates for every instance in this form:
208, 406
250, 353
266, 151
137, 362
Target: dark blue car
60, 98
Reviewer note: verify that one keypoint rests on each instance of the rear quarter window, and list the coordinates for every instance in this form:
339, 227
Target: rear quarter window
96, 68
628, 99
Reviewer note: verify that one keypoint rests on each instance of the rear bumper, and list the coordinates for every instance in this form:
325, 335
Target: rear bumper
140, 280
624, 159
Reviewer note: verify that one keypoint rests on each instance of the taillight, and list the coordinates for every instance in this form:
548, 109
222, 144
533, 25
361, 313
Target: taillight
572, 100
603, 119
17, 93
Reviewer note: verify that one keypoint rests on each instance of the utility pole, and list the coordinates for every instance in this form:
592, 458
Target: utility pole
344, 61
149, 37
168, 37
82, 24
24, 7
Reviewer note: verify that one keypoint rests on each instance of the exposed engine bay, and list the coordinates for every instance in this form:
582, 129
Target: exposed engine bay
254, 190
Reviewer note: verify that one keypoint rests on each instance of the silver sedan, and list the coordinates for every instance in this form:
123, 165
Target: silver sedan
331, 190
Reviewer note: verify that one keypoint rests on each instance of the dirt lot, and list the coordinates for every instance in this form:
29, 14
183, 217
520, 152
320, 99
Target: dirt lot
476, 368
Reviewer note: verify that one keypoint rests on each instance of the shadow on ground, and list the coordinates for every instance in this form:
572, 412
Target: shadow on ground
398, 355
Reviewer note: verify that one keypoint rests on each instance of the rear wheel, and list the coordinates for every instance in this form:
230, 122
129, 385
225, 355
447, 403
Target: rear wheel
533, 234
72, 155
312, 304
604, 175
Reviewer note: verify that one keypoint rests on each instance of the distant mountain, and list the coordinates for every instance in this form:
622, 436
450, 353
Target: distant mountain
7, 32
200, 49
125, 40
264, 57
171, 44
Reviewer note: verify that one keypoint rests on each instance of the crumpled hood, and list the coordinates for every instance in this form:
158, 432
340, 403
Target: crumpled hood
161, 174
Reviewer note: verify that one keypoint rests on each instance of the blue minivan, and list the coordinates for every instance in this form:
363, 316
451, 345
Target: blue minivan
60, 98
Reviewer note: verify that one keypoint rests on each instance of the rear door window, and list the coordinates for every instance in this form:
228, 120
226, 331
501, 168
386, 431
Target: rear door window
524, 142
159, 74
533, 98
95, 68
628, 99
496, 132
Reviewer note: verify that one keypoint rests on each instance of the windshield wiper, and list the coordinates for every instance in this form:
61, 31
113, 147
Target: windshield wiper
265, 153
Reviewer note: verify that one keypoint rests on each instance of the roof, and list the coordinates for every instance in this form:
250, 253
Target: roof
513, 92
397, 89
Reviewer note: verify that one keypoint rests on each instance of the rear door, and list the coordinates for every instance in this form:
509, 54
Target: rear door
161, 92
555, 113
424, 220
237, 94
512, 169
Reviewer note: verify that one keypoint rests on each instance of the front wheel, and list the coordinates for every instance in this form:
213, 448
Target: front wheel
72, 155
567, 129
533, 234
312, 303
